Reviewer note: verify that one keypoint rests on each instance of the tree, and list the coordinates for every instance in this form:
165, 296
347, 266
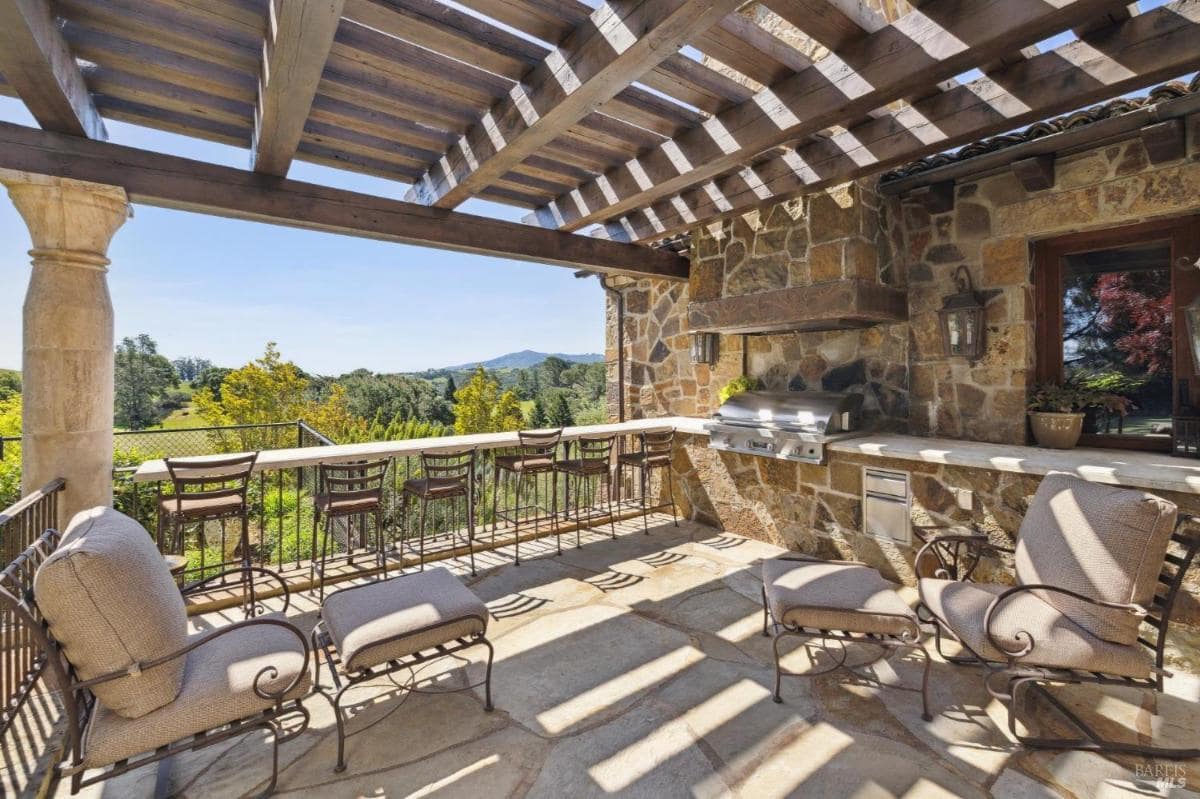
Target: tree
211, 379
141, 378
550, 371
558, 412
388, 397
10, 464
10, 383
448, 394
270, 389
537, 416
481, 407
191, 368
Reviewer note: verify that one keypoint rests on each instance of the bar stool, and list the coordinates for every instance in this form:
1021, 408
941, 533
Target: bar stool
346, 491
655, 453
449, 474
594, 461
208, 490
536, 454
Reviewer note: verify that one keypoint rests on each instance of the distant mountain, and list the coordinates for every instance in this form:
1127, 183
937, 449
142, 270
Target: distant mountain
525, 358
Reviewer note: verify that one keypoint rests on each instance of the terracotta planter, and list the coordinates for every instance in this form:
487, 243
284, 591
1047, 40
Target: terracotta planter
1056, 430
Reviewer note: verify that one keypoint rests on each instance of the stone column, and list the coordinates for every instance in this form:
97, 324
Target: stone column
67, 358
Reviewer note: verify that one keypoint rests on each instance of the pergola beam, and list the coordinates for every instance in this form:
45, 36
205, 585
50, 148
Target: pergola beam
618, 43
298, 39
37, 63
172, 182
942, 39
1141, 51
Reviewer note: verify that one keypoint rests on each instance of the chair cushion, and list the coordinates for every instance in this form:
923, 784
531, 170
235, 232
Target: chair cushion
201, 507
436, 486
352, 502
218, 687
588, 466
1058, 641
377, 622
528, 463
820, 595
1101, 541
111, 602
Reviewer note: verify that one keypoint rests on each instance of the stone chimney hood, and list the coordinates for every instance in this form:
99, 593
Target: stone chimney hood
834, 305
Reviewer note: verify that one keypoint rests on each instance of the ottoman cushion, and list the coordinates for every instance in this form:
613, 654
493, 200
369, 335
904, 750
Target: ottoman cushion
824, 595
377, 622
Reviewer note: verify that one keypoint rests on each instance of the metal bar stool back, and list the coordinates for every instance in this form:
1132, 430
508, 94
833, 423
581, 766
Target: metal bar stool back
655, 453
348, 491
594, 461
448, 475
208, 490
537, 452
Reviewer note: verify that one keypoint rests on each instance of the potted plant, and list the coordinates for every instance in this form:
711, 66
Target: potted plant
1056, 411
737, 385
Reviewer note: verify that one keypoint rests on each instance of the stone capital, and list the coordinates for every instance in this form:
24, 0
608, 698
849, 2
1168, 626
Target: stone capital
71, 222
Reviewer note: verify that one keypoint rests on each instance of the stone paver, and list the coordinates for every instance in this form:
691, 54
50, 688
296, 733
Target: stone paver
637, 667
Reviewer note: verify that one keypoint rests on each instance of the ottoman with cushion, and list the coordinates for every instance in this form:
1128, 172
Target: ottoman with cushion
378, 628
836, 603
139, 687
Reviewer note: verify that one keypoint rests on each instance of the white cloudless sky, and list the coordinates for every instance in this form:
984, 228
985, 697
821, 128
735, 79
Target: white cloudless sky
221, 288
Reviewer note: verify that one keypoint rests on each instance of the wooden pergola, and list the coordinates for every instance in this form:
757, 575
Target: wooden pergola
619, 125
629, 120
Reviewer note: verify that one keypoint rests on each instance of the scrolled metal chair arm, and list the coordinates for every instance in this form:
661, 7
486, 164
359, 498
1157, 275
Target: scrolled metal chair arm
201, 584
273, 671
1024, 635
977, 546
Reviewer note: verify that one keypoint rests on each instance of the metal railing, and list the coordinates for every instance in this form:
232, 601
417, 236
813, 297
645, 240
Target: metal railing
284, 537
28, 714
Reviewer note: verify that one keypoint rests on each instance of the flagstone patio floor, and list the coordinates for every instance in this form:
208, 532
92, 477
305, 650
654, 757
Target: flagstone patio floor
636, 667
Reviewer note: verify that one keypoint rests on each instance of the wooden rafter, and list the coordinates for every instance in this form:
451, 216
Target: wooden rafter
185, 184
833, 23
943, 38
598, 60
37, 63
1139, 52
299, 36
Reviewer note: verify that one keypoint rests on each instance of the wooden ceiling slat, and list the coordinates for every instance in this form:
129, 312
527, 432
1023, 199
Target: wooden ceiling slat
696, 84
446, 30
355, 141
250, 18
881, 67
42, 70
159, 118
139, 58
341, 158
153, 93
378, 122
294, 54
1155, 46
646, 109
593, 64
548, 20
822, 21
380, 52
180, 31
739, 43
355, 82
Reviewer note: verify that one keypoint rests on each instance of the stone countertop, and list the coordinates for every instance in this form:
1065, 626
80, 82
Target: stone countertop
1150, 470
272, 459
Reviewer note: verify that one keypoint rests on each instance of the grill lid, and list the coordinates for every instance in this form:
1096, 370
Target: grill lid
823, 412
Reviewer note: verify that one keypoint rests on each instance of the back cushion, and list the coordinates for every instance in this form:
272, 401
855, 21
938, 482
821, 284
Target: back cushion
111, 602
1101, 541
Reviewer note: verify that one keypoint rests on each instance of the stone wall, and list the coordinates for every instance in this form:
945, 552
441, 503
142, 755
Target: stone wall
991, 230
849, 231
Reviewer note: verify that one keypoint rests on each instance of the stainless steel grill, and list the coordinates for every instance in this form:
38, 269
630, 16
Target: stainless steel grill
789, 425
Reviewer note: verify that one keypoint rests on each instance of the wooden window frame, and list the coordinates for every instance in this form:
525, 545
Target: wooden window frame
1183, 234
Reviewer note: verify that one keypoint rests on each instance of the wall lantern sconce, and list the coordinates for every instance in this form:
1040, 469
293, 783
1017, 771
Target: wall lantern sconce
705, 348
961, 316
1191, 313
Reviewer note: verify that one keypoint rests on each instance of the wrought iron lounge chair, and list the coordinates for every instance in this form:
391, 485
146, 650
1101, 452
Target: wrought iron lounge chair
1092, 566
108, 624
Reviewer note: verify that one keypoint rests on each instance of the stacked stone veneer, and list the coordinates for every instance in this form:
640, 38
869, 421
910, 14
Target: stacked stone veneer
850, 231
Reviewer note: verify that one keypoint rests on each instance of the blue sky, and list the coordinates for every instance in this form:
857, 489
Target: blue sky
220, 288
